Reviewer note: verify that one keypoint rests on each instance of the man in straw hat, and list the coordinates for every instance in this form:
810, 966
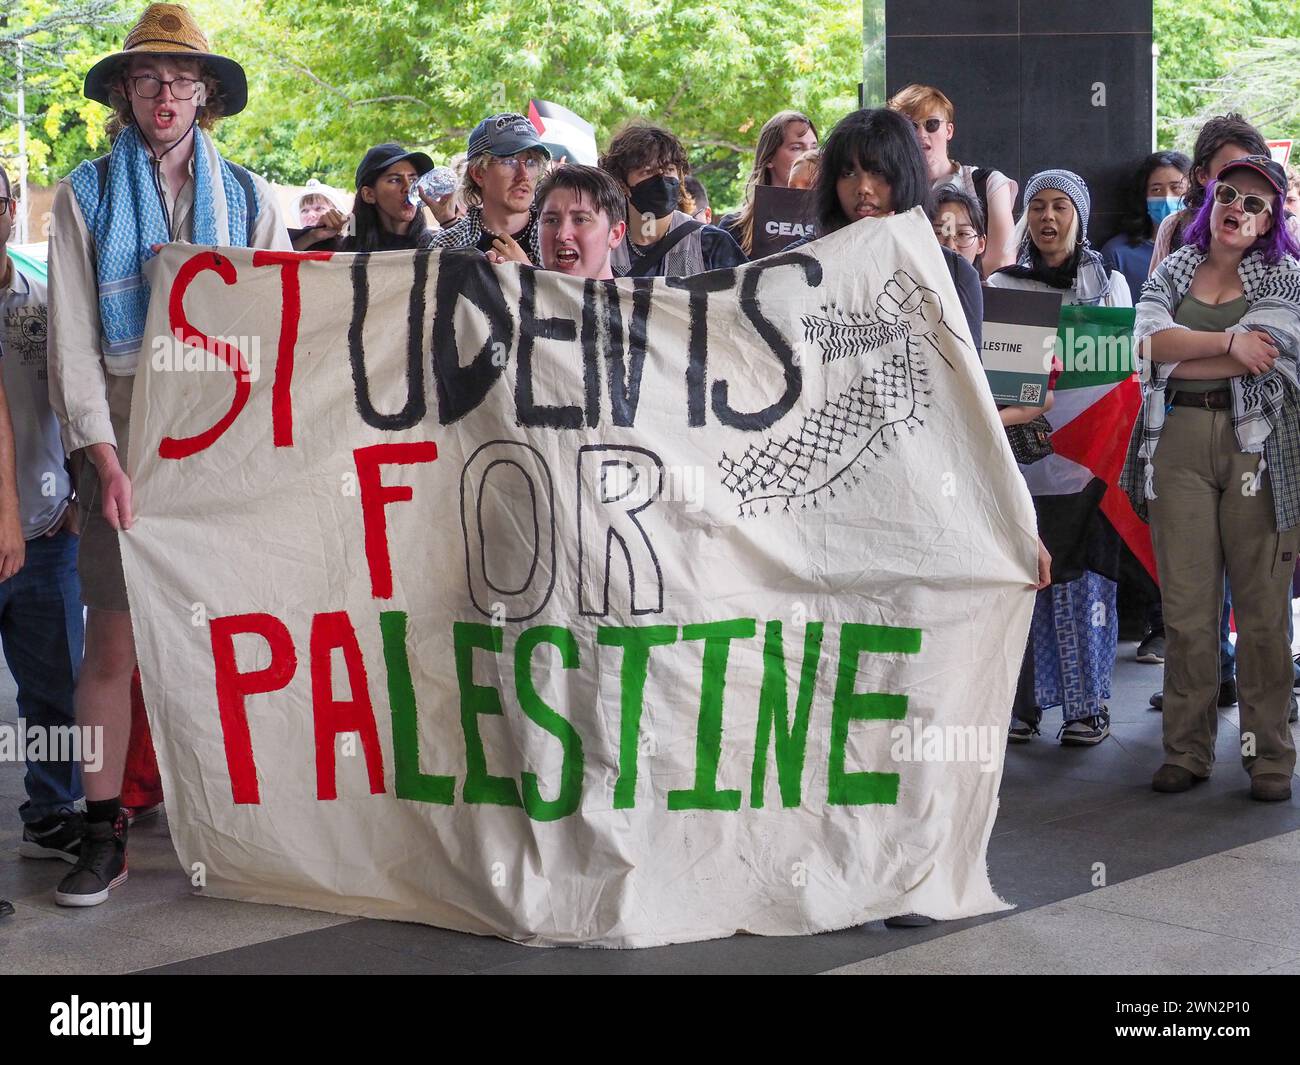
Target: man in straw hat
163, 181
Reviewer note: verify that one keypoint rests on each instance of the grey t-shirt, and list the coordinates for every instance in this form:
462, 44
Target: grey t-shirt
44, 487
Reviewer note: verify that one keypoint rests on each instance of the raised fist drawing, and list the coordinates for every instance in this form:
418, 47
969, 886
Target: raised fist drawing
906, 301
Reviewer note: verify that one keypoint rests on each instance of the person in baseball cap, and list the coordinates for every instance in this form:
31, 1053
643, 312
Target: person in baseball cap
386, 219
506, 159
1214, 465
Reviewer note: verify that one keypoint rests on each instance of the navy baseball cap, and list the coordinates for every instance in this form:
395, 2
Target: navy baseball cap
505, 134
1267, 168
382, 156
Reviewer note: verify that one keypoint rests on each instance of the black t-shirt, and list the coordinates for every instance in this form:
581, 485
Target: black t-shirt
409, 241
485, 241
729, 223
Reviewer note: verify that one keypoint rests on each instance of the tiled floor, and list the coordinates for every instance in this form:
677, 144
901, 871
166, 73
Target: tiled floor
1200, 882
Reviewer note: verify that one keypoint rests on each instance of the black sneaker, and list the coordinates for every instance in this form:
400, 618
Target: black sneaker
56, 836
1151, 650
1227, 696
1085, 731
6, 908
909, 920
100, 867
1021, 731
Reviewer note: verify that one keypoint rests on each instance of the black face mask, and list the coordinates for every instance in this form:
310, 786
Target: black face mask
656, 196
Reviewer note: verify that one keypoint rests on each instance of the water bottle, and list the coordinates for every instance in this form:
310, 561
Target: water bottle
437, 182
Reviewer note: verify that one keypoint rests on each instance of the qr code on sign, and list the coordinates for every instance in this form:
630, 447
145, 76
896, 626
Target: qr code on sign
1031, 393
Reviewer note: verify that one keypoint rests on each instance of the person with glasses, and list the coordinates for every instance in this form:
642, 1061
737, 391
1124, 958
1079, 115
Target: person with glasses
1214, 465
1222, 139
931, 114
662, 240
164, 181
384, 218
959, 223
506, 160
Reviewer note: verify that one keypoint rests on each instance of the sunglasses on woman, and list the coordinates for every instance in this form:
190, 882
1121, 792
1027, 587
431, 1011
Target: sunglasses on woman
931, 125
1225, 195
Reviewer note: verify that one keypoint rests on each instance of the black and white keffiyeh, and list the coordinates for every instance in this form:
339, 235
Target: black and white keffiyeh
467, 232
1273, 307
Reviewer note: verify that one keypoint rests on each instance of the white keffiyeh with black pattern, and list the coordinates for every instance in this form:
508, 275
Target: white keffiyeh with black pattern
1273, 298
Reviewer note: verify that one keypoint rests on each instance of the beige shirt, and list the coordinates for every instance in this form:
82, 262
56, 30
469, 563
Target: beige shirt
77, 369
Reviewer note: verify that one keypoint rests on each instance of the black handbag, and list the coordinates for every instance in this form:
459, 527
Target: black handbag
1031, 441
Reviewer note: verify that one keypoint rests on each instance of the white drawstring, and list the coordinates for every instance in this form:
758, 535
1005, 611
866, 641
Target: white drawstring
1148, 483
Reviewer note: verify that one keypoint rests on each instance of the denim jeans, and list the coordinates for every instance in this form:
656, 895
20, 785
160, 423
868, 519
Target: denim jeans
1227, 653
42, 630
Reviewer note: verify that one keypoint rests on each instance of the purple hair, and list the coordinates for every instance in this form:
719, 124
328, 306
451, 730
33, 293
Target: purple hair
1275, 244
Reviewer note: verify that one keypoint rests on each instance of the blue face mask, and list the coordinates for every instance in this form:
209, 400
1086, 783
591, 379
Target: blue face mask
1161, 207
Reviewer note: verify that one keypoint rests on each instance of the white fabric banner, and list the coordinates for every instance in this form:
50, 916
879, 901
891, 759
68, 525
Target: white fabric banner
619, 614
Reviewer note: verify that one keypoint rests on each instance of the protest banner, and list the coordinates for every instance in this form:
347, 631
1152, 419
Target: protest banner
578, 612
1019, 338
781, 216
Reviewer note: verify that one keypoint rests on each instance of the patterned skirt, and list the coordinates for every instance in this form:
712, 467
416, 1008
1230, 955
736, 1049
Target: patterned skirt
1074, 636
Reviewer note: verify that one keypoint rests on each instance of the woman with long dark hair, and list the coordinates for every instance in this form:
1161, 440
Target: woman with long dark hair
1155, 192
1214, 465
384, 219
784, 138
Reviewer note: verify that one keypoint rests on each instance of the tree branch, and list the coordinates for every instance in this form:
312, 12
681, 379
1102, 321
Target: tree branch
348, 99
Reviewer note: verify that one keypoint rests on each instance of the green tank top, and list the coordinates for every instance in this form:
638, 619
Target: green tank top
1207, 318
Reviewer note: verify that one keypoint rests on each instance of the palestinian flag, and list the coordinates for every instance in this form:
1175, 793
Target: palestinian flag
1097, 398
567, 135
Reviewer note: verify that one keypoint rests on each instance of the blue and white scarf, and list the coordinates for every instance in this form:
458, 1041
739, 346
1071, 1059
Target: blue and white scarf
1273, 297
127, 219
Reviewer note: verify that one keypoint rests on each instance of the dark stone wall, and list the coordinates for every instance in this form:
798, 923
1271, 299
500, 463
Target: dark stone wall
1024, 76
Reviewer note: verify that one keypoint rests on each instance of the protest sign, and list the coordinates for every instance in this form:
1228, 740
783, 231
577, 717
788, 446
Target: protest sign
578, 612
781, 216
1019, 336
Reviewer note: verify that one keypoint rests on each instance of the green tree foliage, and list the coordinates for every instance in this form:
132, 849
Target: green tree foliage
59, 39
331, 79
1202, 43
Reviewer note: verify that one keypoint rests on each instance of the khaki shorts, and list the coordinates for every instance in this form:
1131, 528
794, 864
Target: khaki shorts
99, 558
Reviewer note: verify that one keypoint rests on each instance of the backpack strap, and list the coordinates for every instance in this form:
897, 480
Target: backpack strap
245, 180
647, 266
101, 173
980, 179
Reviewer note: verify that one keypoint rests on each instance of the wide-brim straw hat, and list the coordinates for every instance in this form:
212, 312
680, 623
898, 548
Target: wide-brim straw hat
169, 30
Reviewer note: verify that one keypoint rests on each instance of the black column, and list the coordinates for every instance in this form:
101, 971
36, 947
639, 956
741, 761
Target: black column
1036, 85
